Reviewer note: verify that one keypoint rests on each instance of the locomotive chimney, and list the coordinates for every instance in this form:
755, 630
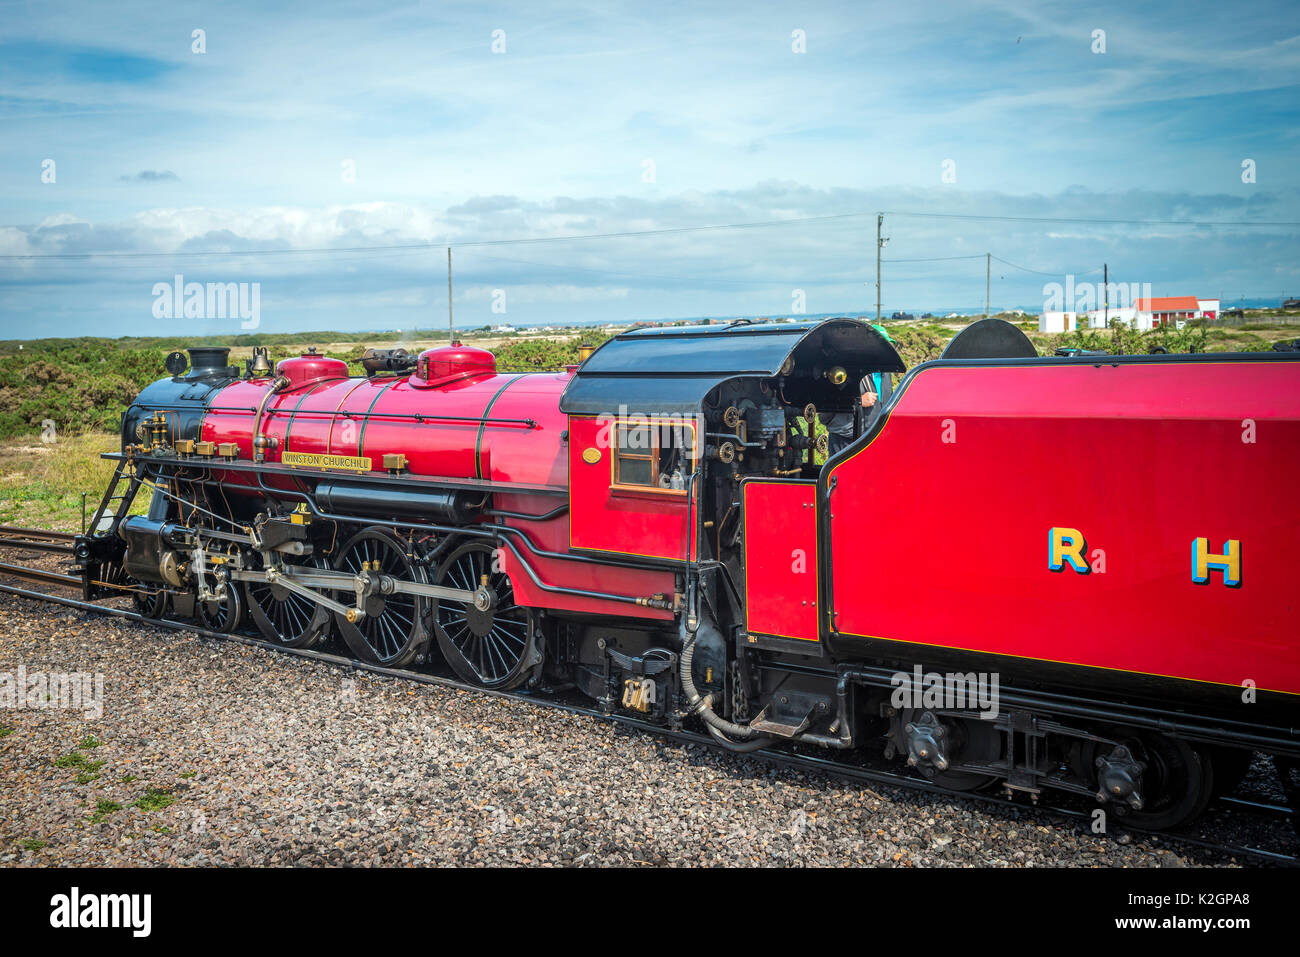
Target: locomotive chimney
208, 360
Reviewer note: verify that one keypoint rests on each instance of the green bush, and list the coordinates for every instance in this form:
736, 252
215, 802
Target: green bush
83, 385
1124, 341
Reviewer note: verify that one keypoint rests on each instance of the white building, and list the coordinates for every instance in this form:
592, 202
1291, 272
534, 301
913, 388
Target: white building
1097, 318
1054, 320
1145, 314
1173, 311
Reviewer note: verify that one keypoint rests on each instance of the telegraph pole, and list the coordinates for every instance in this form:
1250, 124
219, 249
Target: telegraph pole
988, 271
880, 244
451, 326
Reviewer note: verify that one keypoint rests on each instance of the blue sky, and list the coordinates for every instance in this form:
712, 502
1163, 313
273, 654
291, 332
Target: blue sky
159, 150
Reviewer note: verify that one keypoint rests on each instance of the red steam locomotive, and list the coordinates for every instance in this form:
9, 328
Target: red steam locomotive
1067, 572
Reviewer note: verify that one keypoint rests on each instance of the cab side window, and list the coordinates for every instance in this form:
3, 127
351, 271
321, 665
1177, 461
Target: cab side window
649, 457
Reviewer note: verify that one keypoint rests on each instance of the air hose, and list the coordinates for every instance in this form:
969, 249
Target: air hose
722, 730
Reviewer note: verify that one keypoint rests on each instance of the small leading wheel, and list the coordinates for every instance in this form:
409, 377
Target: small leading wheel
285, 617
487, 646
394, 629
222, 616
150, 602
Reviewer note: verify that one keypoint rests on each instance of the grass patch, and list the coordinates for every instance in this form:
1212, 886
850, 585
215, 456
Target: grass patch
155, 799
88, 742
32, 844
188, 774
128, 778
41, 484
103, 808
5, 732
88, 769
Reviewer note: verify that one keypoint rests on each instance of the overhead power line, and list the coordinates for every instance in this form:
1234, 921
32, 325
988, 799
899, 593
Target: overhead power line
707, 280
1040, 272
935, 259
1005, 262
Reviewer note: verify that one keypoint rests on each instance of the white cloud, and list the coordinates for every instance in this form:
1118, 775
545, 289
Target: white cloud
62, 219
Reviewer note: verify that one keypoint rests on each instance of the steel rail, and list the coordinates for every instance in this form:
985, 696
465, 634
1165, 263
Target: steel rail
827, 766
40, 575
36, 545
46, 534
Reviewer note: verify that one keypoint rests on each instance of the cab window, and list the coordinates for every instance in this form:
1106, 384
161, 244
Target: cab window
647, 456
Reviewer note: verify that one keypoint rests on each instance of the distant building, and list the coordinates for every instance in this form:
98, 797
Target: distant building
1151, 313
1174, 311
1054, 320
1098, 318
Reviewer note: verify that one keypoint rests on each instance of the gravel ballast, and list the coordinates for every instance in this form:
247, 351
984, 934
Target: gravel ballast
216, 753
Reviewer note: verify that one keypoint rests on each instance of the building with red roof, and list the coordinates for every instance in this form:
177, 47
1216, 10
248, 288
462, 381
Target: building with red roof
1156, 311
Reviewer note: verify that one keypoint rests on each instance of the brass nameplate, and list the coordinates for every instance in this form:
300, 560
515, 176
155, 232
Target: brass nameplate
317, 460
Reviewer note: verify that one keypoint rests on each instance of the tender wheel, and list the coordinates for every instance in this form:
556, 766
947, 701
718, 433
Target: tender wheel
223, 616
149, 602
488, 647
287, 618
1177, 783
395, 627
968, 741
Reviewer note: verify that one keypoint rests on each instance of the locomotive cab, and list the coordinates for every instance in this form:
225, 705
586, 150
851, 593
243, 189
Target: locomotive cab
667, 425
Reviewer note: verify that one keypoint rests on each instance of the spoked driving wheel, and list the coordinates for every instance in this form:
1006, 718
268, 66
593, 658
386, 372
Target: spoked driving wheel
395, 627
490, 645
223, 616
285, 617
150, 601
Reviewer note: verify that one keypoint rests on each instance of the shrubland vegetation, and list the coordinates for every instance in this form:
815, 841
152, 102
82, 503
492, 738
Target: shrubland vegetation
79, 386
83, 385
74, 390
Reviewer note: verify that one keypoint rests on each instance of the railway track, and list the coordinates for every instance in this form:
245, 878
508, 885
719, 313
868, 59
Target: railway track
38, 540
